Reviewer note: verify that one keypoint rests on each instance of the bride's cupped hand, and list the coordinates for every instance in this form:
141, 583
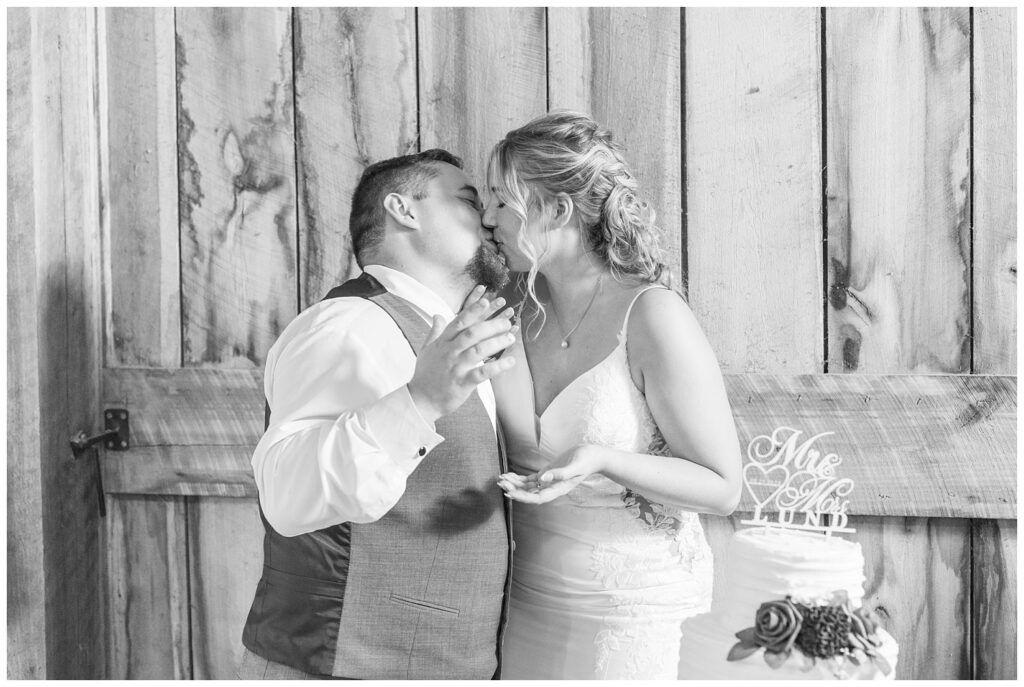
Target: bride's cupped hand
560, 477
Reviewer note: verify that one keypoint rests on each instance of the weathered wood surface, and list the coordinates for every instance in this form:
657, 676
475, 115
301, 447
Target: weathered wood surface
917, 580
26, 588
189, 406
753, 177
355, 104
55, 330
225, 562
236, 169
482, 72
193, 430
144, 326
994, 615
898, 104
181, 470
995, 190
914, 445
603, 61
149, 588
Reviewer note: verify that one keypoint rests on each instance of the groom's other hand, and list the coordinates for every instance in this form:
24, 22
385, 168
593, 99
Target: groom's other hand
452, 361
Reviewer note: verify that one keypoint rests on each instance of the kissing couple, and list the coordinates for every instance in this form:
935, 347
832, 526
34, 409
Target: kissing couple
485, 455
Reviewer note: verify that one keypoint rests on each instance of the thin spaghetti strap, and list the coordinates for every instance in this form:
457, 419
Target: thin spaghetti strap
625, 320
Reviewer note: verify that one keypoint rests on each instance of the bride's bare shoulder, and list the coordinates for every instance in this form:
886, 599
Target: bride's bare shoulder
661, 322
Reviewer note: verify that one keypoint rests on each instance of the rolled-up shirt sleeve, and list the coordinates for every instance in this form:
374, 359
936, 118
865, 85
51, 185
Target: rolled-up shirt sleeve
344, 433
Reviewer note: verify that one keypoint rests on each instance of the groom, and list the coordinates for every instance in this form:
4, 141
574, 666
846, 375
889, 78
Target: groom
386, 552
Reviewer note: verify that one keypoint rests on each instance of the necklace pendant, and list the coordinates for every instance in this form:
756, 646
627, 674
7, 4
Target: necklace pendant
565, 343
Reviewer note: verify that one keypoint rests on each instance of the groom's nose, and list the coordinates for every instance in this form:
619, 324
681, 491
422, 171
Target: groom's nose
488, 217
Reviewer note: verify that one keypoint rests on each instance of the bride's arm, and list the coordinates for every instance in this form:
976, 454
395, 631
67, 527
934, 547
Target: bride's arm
686, 394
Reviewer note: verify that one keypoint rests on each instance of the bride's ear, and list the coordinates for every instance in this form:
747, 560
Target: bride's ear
562, 211
400, 210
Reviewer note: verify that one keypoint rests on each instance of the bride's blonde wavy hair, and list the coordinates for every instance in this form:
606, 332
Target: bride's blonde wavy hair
568, 152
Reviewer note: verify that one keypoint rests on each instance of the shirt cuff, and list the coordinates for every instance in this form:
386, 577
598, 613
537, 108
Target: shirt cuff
400, 430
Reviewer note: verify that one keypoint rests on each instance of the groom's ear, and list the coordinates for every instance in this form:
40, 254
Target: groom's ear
400, 210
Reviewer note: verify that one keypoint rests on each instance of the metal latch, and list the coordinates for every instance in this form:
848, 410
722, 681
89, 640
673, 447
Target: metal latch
115, 438
115, 434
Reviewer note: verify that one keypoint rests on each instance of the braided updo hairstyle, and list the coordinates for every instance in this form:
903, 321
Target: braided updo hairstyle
568, 152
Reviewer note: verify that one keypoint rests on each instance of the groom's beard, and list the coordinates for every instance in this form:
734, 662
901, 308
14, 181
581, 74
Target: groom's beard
488, 268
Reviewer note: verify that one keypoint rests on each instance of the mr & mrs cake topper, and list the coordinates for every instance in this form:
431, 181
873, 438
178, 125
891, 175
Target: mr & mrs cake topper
798, 481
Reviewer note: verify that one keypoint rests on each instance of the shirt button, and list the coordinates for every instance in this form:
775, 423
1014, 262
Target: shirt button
422, 452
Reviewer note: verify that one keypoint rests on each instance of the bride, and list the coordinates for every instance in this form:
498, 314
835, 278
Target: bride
618, 427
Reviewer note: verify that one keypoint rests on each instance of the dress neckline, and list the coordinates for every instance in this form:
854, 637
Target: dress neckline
590, 370
539, 417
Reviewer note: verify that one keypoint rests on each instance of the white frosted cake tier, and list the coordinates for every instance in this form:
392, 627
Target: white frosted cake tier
763, 565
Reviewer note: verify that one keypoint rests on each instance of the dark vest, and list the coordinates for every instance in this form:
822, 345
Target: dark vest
422, 592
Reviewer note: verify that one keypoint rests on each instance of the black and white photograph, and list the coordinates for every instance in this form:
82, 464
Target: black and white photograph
518, 343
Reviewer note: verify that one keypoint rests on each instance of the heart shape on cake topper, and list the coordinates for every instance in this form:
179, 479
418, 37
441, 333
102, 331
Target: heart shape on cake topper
764, 483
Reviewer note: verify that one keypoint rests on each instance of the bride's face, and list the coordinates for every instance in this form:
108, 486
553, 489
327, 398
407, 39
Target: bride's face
520, 242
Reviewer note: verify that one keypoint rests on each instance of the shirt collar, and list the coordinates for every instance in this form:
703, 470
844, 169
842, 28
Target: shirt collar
426, 302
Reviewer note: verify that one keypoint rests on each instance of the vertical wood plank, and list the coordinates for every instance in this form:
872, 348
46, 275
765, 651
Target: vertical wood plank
918, 580
482, 72
145, 313
753, 160
146, 557
26, 588
995, 599
355, 104
55, 243
898, 103
225, 562
236, 162
995, 190
622, 66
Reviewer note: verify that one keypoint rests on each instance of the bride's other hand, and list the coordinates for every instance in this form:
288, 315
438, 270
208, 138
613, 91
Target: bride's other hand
559, 478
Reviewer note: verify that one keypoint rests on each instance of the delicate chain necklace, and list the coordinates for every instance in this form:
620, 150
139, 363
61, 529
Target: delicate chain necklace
593, 297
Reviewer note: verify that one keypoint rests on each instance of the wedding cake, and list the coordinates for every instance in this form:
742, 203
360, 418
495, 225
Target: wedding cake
790, 603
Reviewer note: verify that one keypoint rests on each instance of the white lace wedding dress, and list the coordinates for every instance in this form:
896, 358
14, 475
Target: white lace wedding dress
602, 578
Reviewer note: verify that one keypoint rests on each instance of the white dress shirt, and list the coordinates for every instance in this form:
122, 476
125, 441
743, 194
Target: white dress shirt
344, 433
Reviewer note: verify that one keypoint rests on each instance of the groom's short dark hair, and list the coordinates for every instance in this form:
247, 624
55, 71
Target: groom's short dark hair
407, 174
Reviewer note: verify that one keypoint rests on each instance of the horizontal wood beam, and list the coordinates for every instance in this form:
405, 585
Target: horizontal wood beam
915, 445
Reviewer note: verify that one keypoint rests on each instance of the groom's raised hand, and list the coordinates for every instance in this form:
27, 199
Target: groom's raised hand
452, 361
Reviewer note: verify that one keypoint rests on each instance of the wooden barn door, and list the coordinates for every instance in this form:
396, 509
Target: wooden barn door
203, 276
